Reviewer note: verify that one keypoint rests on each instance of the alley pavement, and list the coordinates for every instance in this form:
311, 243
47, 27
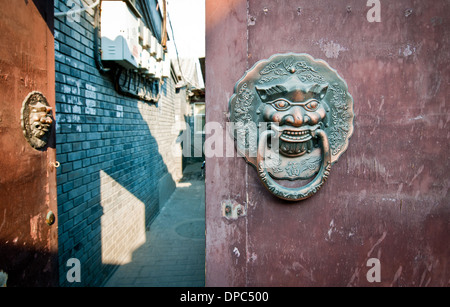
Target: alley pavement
174, 252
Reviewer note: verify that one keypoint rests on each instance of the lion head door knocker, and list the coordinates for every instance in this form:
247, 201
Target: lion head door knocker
293, 117
36, 119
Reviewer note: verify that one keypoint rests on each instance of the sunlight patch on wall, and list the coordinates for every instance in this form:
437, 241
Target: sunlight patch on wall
122, 222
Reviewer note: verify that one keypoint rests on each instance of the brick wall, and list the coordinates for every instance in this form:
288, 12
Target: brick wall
115, 153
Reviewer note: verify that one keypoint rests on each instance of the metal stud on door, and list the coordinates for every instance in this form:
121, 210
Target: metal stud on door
293, 117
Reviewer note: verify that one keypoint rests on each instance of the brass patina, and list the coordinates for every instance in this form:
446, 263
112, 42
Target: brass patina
293, 117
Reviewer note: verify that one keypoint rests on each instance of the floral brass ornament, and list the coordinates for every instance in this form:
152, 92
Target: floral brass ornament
293, 117
36, 119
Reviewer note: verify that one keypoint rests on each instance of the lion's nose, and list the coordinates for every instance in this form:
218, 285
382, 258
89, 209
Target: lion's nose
46, 120
295, 118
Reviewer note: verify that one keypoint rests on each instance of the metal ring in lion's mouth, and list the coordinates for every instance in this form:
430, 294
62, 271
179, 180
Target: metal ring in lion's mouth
295, 194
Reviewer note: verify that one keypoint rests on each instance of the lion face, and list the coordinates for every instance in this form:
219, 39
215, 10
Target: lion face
40, 120
36, 119
296, 110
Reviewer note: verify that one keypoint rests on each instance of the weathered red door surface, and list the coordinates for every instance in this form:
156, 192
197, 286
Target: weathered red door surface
387, 198
28, 245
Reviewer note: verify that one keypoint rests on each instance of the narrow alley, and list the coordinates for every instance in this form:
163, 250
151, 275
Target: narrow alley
174, 252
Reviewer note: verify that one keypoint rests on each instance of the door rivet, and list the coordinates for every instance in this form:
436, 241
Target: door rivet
50, 219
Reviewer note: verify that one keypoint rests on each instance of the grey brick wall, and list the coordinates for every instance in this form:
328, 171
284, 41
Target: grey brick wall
114, 152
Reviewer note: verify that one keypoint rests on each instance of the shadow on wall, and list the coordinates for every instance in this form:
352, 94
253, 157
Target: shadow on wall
116, 194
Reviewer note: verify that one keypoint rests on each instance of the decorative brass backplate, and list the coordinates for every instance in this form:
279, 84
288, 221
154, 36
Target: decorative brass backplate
36, 119
293, 117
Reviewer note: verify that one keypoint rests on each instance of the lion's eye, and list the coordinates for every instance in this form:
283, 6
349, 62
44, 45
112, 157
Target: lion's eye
312, 105
281, 105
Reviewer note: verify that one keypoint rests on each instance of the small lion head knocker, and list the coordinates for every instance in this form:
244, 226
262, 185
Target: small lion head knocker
36, 119
293, 117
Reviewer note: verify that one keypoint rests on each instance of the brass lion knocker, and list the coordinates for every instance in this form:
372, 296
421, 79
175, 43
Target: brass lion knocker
36, 117
293, 117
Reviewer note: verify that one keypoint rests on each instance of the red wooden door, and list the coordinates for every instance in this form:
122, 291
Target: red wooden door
388, 196
28, 245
